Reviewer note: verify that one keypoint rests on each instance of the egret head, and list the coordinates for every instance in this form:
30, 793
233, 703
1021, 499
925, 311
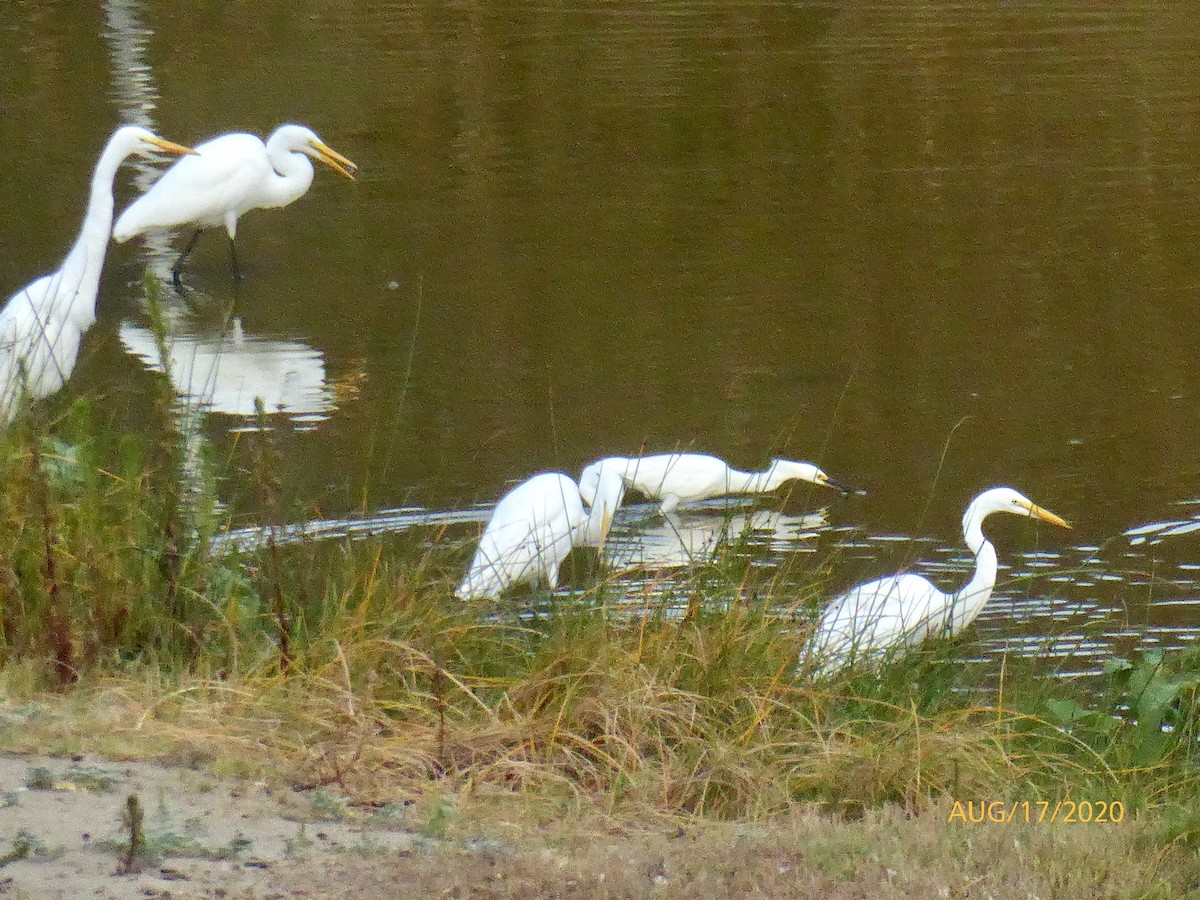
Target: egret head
143, 142
605, 491
1003, 499
304, 140
589, 479
786, 470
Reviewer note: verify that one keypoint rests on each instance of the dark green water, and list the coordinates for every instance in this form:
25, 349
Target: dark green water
934, 247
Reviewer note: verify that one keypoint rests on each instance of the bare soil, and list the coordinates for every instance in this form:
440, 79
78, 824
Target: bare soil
64, 833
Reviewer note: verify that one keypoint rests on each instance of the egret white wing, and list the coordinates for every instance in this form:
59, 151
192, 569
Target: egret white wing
868, 620
530, 533
200, 189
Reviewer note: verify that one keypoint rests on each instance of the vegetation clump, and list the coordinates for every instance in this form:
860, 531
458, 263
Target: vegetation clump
353, 662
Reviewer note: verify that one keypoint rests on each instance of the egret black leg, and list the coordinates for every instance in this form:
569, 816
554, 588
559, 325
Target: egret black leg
237, 272
177, 269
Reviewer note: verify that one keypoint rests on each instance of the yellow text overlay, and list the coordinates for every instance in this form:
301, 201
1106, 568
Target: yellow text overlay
1000, 812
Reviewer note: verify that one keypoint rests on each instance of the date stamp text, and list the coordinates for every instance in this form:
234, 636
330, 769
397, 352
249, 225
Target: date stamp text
1001, 812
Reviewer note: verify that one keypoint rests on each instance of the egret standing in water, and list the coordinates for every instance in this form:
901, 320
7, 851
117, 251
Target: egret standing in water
534, 527
872, 619
230, 175
42, 325
674, 478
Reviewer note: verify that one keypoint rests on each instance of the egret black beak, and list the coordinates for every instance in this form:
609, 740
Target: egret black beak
841, 486
334, 160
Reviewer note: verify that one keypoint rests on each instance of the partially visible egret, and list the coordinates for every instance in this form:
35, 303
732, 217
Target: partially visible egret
532, 530
677, 477
872, 619
42, 325
230, 175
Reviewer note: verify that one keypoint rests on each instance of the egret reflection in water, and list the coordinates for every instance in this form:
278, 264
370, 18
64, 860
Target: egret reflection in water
1155, 532
228, 373
654, 543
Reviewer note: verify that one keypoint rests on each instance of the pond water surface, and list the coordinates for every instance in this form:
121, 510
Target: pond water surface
932, 247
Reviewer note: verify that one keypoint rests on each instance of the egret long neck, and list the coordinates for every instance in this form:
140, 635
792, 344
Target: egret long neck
757, 482
594, 530
738, 482
81, 269
971, 600
293, 176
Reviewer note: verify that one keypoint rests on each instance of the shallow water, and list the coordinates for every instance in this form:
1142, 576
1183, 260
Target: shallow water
932, 247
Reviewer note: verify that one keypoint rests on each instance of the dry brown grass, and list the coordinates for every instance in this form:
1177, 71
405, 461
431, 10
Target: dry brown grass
622, 749
885, 855
605, 727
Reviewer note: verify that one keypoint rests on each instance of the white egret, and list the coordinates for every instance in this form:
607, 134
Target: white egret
868, 621
42, 325
230, 175
532, 530
677, 477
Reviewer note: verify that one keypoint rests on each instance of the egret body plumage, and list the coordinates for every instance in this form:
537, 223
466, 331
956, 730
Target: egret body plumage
230, 175
674, 478
42, 325
533, 528
880, 616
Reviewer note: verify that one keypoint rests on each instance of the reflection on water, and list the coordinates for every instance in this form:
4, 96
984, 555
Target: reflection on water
136, 96
229, 373
386, 521
1156, 532
647, 540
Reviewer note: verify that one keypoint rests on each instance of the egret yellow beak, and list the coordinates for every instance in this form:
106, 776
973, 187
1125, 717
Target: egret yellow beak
605, 525
1046, 516
334, 160
169, 147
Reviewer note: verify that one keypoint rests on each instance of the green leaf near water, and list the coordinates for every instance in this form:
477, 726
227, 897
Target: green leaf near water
1068, 712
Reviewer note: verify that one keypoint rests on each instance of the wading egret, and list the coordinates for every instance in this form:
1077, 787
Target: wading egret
230, 175
534, 527
868, 621
677, 477
42, 325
